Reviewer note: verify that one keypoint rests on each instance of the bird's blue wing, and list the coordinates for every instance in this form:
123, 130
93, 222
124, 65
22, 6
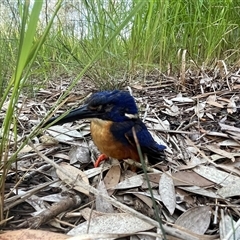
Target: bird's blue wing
148, 145
123, 132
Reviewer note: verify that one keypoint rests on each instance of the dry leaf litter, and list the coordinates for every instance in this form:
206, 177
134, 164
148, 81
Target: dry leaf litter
196, 189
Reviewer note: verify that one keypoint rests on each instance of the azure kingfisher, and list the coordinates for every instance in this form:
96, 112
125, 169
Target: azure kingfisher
113, 115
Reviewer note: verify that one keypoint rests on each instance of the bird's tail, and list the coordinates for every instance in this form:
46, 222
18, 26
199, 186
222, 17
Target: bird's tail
155, 159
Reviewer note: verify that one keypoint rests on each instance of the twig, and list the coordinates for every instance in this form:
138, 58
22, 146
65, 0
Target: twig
51, 212
19, 199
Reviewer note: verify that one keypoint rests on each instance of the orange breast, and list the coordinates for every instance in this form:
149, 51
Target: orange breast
107, 144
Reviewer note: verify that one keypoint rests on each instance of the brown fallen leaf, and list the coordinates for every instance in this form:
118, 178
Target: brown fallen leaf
217, 176
167, 192
112, 178
132, 182
200, 191
112, 223
147, 200
79, 154
88, 213
216, 149
76, 173
101, 204
154, 177
196, 219
186, 178
211, 100
230, 190
31, 234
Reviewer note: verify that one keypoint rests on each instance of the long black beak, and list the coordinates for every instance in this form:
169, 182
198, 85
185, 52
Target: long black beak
76, 114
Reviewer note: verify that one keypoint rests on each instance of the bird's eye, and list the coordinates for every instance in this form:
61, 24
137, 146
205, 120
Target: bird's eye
91, 107
95, 107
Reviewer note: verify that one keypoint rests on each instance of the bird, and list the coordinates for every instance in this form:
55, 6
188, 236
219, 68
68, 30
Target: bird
113, 115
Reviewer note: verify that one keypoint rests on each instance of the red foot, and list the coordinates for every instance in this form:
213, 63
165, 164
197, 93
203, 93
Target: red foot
101, 158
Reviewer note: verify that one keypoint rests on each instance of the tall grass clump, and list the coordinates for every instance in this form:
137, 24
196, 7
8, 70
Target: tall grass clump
152, 38
30, 49
208, 30
27, 49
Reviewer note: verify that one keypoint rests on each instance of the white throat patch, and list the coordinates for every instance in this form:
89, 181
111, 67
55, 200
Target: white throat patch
131, 116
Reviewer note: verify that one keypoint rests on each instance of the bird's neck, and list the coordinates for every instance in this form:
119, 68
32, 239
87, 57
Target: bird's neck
100, 122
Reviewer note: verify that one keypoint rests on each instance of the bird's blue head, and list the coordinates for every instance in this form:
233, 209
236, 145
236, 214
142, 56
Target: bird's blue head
116, 106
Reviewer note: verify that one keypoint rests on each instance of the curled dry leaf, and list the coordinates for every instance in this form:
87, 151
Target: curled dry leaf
225, 127
229, 143
79, 154
62, 133
187, 178
209, 115
200, 191
58, 132
231, 107
132, 182
217, 176
207, 81
199, 109
230, 190
167, 192
196, 219
112, 178
92, 172
172, 110
211, 100
61, 155
55, 198
76, 174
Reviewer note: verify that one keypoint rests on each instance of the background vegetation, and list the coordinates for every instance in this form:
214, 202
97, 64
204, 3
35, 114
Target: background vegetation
152, 38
